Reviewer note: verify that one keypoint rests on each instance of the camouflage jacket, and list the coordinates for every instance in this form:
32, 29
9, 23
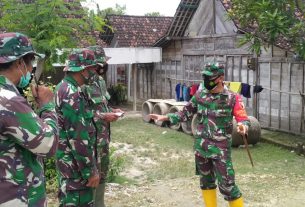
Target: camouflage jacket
24, 138
98, 97
76, 154
215, 113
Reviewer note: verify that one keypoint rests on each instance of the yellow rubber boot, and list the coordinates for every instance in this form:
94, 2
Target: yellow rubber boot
237, 203
209, 198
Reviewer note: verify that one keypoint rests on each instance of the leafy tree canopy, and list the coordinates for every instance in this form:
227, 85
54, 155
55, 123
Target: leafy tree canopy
269, 20
153, 14
51, 25
118, 10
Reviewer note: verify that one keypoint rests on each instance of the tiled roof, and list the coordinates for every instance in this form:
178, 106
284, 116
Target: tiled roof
136, 31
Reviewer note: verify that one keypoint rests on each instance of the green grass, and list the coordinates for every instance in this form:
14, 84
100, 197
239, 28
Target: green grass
275, 172
138, 133
172, 168
268, 159
123, 180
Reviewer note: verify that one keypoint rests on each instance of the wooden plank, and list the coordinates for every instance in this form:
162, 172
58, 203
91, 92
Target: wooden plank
239, 68
147, 82
254, 100
159, 77
134, 67
278, 60
302, 97
151, 81
270, 86
289, 98
280, 102
165, 80
218, 52
143, 85
232, 73
248, 101
258, 69
176, 72
214, 17
155, 92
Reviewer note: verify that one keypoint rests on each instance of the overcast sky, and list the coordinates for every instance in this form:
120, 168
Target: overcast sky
139, 7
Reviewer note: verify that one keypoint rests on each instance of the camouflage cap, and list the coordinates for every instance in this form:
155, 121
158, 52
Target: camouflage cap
14, 45
213, 69
100, 55
79, 59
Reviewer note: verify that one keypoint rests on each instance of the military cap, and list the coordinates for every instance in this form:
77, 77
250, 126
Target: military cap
100, 55
213, 69
15, 45
79, 59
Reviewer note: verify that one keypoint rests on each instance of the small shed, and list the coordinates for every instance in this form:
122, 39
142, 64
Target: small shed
134, 31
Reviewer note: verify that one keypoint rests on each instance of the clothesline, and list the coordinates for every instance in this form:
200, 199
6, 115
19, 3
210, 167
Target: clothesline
279, 91
185, 80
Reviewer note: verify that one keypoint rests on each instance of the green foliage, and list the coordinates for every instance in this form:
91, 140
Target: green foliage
51, 25
270, 20
153, 14
51, 174
29, 95
118, 10
118, 94
116, 165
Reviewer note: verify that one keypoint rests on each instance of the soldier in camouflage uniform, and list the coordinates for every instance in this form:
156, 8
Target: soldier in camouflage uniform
25, 136
98, 97
215, 106
76, 156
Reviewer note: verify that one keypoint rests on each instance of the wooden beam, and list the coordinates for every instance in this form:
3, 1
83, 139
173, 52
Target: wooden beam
134, 69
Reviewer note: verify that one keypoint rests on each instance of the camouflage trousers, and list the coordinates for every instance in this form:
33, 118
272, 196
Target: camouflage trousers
19, 195
76, 197
214, 163
103, 162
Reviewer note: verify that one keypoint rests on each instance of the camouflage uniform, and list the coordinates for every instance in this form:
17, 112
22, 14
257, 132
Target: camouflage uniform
213, 137
76, 154
25, 137
98, 98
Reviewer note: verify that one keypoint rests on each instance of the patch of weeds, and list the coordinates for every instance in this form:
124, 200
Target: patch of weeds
50, 175
123, 180
172, 168
116, 165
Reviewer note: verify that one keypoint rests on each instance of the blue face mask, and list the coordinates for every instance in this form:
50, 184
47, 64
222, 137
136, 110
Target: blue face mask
25, 79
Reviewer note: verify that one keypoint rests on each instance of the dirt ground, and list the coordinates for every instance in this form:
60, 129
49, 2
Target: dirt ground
259, 189
287, 191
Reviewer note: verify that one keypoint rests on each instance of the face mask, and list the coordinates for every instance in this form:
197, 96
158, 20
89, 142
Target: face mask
90, 78
209, 84
102, 69
25, 79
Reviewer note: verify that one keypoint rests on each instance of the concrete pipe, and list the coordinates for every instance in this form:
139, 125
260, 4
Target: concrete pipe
147, 108
162, 109
254, 133
195, 121
187, 127
175, 109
